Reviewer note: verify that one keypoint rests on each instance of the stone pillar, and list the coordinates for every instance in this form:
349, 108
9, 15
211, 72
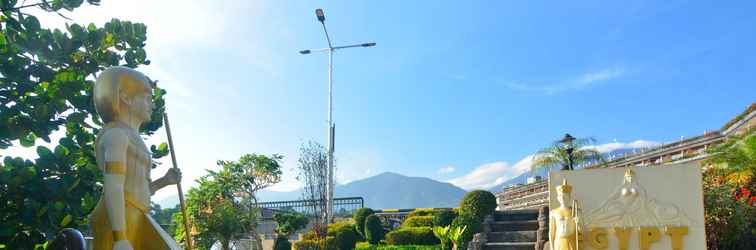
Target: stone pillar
542, 235
479, 239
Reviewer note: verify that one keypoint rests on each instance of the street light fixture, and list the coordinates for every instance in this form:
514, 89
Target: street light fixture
331, 129
567, 140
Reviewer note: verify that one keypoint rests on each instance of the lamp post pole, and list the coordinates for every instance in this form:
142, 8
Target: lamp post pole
331, 129
567, 140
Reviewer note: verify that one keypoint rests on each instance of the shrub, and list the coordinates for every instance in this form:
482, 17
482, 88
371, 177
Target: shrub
329, 243
412, 236
478, 203
281, 243
390, 247
344, 233
421, 212
359, 220
444, 218
418, 221
373, 229
473, 225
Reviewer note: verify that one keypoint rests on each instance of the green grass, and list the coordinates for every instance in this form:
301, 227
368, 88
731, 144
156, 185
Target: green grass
397, 247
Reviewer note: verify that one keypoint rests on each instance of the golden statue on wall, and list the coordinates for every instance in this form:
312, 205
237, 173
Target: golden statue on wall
564, 220
121, 221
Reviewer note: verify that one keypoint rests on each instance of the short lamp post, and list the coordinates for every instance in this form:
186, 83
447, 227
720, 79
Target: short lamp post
567, 141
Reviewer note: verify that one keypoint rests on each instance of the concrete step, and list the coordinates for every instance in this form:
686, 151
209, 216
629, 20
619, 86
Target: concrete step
509, 246
524, 214
519, 225
512, 236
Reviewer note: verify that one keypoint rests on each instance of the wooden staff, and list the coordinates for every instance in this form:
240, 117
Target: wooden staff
187, 225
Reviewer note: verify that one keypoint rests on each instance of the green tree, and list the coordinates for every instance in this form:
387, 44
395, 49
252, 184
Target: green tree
478, 203
557, 154
46, 80
289, 223
735, 159
164, 217
222, 207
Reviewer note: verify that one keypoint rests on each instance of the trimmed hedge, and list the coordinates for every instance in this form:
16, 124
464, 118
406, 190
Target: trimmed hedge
412, 236
473, 225
329, 243
373, 229
478, 203
421, 212
405, 247
418, 221
444, 218
359, 220
344, 233
281, 243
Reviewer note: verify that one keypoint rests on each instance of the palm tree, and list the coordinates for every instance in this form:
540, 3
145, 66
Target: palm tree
567, 152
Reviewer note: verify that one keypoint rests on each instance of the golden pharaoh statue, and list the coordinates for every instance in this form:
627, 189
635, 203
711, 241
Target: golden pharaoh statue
562, 221
121, 221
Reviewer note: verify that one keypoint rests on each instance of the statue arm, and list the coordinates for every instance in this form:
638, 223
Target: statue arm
115, 144
552, 231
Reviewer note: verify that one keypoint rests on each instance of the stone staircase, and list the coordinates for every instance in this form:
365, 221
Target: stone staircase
513, 230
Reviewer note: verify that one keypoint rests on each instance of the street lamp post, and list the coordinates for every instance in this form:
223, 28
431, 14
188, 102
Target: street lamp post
331, 128
567, 140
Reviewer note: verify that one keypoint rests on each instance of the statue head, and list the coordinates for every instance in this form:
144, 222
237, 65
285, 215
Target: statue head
123, 94
564, 192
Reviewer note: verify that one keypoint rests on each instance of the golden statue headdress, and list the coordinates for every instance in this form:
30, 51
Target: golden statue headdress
564, 188
629, 172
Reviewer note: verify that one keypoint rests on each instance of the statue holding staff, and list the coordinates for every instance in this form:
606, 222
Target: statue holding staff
121, 221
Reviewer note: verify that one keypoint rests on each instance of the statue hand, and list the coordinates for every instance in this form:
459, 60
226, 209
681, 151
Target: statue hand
122, 245
173, 176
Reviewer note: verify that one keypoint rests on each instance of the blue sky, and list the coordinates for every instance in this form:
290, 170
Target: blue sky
455, 91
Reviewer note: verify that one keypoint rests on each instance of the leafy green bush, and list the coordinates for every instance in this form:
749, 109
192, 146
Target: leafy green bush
478, 203
281, 243
359, 220
391, 247
373, 229
329, 243
418, 221
444, 218
473, 225
344, 233
412, 236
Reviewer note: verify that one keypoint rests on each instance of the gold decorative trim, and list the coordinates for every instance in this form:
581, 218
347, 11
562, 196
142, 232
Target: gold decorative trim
119, 235
114, 167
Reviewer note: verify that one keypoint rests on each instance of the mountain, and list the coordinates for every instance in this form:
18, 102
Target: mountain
391, 190
386, 190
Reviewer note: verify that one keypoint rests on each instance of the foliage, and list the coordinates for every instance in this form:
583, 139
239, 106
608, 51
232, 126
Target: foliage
727, 185
373, 229
289, 222
344, 233
392, 247
418, 221
449, 235
327, 243
478, 203
412, 236
359, 219
735, 159
444, 218
557, 154
281, 243
471, 224
422, 212
222, 206
313, 172
46, 85
164, 216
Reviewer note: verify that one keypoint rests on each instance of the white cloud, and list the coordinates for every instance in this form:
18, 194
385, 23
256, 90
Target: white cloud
576, 83
491, 174
446, 169
286, 185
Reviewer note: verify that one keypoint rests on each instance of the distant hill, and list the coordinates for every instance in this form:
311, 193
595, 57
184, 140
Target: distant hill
391, 190
386, 190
